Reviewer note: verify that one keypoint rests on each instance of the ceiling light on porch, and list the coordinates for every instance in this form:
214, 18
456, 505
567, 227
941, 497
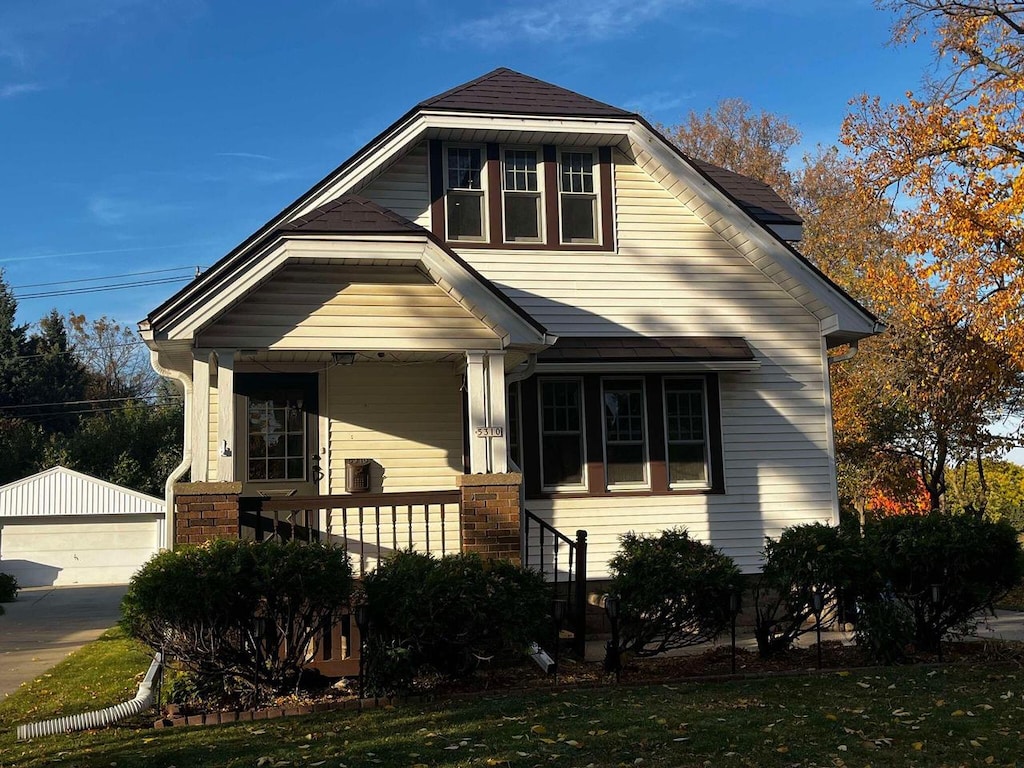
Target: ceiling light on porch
343, 358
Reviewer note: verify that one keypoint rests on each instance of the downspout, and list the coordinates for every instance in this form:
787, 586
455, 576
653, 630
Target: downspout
186, 459
847, 355
514, 378
98, 718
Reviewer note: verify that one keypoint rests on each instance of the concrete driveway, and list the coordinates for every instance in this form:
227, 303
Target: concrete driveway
45, 624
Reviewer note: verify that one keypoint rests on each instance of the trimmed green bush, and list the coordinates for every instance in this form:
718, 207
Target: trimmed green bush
804, 559
973, 561
446, 615
8, 588
239, 616
673, 591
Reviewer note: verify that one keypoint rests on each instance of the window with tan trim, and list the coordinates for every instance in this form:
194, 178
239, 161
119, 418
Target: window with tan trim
686, 432
578, 197
521, 192
562, 435
464, 193
625, 433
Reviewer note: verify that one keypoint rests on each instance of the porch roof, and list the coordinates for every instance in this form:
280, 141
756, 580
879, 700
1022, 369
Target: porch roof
637, 353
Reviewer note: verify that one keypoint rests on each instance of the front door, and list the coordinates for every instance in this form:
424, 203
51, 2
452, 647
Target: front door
280, 447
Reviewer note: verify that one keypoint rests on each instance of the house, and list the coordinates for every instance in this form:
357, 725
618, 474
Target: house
61, 527
517, 306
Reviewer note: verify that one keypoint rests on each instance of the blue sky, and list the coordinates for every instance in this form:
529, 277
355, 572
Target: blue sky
144, 135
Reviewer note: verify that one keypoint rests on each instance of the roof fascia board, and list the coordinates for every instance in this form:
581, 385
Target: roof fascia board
652, 366
849, 314
61, 470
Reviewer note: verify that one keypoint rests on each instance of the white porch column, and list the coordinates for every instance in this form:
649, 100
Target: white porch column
476, 396
225, 414
201, 359
497, 446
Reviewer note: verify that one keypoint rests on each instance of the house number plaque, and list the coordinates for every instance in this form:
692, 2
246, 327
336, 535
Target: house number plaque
490, 431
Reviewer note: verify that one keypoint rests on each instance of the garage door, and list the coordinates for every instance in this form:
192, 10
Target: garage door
85, 550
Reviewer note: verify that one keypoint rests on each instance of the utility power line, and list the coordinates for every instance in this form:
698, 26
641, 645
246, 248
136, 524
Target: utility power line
198, 269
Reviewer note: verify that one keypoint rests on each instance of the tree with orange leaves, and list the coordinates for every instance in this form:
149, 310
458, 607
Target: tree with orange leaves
951, 161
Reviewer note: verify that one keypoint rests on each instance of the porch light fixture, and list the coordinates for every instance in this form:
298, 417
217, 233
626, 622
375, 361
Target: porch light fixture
250, 353
343, 358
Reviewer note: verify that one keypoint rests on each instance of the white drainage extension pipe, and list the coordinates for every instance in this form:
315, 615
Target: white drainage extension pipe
99, 718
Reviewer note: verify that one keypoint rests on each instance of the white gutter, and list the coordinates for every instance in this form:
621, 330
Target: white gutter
186, 459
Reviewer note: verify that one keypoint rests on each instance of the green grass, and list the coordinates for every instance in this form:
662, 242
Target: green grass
912, 716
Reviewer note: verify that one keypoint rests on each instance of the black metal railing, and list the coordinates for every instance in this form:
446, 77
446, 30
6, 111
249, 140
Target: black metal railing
564, 562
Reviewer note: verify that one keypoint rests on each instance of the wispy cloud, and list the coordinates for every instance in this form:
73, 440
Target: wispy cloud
18, 89
107, 251
246, 156
659, 101
564, 20
112, 211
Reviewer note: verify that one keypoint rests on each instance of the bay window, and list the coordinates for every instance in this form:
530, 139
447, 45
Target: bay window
593, 434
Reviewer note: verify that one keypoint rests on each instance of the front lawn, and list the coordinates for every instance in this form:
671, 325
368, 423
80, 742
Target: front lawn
910, 716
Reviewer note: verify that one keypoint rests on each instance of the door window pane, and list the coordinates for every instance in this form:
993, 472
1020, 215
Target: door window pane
562, 432
276, 439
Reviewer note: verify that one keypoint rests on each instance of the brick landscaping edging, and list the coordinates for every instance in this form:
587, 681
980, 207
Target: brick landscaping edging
272, 713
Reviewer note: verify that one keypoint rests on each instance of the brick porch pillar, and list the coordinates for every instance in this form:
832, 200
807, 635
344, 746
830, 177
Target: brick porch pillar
205, 511
490, 515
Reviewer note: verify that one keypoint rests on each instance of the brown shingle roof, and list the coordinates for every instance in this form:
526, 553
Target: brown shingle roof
755, 197
610, 349
508, 92
351, 214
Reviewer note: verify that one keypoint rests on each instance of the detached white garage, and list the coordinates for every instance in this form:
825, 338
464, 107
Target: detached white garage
63, 527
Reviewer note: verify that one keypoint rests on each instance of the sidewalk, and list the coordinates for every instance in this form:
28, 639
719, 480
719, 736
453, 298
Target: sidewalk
1005, 625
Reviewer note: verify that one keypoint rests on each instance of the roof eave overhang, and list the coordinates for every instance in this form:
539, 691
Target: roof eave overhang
466, 286
848, 315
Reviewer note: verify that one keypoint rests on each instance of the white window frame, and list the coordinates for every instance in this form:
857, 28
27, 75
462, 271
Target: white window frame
482, 193
595, 196
582, 485
645, 461
708, 481
539, 194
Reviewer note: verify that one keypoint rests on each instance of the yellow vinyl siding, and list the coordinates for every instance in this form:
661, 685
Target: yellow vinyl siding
334, 307
673, 275
214, 452
406, 417
404, 187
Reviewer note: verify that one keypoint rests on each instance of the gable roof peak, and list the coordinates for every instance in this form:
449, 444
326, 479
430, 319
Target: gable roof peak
505, 91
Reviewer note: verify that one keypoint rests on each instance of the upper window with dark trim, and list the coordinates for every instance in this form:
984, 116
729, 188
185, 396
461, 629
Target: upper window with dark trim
521, 192
578, 197
464, 193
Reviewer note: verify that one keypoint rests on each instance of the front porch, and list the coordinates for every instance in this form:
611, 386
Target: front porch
482, 515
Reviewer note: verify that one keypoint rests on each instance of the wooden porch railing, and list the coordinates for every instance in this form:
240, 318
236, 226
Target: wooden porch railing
368, 526
564, 562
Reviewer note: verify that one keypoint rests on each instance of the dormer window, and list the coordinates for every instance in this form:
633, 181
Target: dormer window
578, 195
521, 192
465, 193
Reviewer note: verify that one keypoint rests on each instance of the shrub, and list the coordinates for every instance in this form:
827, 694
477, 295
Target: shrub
8, 588
447, 614
975, 561
804, 559
237, 615
673, 591
885, 630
